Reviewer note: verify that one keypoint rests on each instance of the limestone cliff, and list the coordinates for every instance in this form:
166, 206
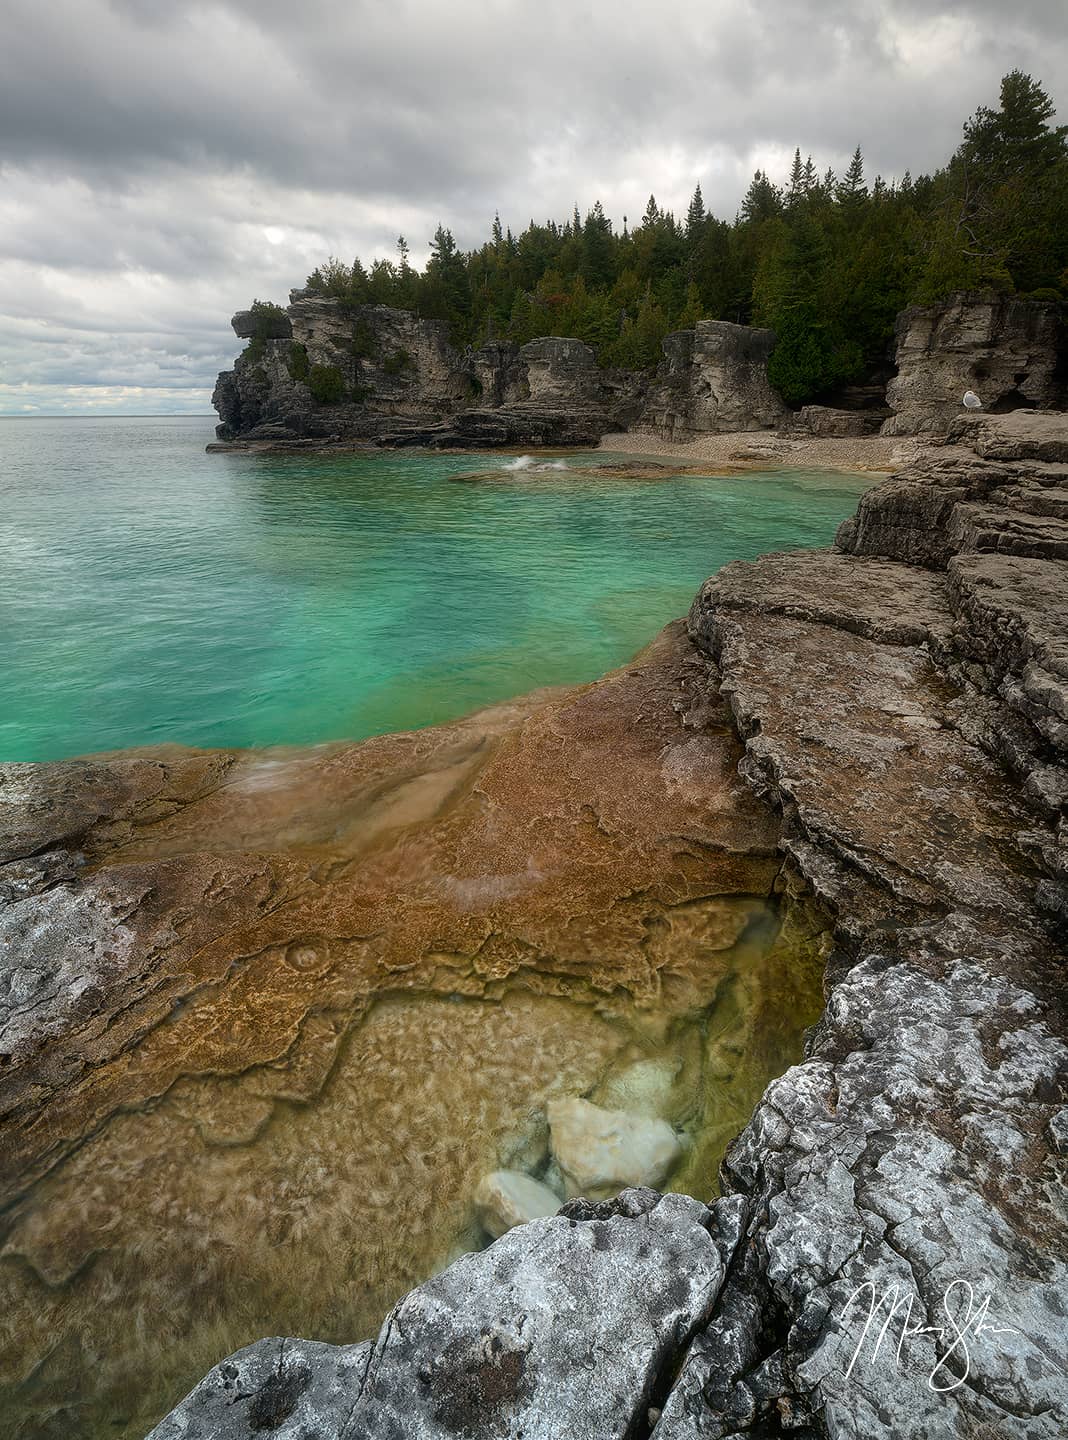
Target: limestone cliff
714, 380
1010, 352
327, 371
369, 372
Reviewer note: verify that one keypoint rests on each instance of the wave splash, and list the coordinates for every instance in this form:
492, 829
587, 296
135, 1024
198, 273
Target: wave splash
527, 462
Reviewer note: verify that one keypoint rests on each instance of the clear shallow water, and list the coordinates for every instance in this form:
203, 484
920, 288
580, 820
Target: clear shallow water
150, 592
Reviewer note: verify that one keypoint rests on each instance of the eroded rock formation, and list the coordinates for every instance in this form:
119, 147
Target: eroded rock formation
329, 372
714, 380
901, 704
1010, 352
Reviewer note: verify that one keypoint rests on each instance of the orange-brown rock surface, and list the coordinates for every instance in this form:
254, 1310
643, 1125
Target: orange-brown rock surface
270, 1016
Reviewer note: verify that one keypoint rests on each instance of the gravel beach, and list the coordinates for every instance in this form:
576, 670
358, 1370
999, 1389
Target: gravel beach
760, 448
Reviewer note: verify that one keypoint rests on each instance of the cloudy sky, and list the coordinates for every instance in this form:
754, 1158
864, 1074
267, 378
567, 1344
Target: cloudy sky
162, 163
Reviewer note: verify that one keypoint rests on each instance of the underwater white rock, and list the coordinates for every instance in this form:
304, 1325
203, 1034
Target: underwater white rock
602, 1151
507, 1198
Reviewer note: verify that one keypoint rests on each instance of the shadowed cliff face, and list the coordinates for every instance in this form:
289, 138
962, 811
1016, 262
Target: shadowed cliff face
270, 1017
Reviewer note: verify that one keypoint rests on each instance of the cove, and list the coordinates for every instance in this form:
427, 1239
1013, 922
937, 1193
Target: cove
303, 999
154, 594
300, 1002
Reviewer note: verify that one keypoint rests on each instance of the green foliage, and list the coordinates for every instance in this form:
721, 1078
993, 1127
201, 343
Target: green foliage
327, 384
364, 342
269, 322
827, 262
399, 363
297, 364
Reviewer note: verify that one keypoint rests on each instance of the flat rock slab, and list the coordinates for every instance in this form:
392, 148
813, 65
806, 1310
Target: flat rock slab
876, 598
854, 735
564, 1327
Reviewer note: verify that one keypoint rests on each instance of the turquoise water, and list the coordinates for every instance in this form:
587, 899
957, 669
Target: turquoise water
150, 592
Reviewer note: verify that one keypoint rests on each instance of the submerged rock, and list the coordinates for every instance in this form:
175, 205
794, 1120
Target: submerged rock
315, 994
601, 1151
507, 1198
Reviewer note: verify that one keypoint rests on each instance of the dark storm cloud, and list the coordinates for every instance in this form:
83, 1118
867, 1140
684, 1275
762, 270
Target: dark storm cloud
163, 163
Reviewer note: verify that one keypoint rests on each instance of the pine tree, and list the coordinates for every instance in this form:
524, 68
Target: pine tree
763, 200
827, 263
596, 265
695, 215
796, 191
853, 190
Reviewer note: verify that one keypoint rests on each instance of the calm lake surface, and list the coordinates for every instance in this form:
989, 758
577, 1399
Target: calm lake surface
150, 592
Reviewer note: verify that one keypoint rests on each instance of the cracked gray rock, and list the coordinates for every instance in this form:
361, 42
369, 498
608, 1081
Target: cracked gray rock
564, 1326
897, 717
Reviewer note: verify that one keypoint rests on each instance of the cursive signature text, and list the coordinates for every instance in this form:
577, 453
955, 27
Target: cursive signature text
967, 1319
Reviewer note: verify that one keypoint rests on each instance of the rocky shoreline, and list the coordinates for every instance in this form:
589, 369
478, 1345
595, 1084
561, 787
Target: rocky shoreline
324, 374
875, 738
902, 701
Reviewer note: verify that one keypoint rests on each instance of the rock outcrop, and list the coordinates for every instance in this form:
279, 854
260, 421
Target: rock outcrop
826, 422
1011, 353
572, 1323
894, 1236
323, 372
714, 380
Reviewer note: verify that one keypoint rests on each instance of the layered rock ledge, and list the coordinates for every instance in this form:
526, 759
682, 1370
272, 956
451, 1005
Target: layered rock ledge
901, 702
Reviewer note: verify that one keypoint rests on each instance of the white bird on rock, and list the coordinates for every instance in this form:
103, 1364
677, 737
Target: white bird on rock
972, 401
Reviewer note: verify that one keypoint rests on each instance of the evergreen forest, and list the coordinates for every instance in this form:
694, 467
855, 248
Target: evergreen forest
826, 260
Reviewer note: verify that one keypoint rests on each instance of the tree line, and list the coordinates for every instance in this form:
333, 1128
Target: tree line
827, 261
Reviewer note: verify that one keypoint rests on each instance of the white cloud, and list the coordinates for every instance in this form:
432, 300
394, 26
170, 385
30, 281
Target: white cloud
166, 164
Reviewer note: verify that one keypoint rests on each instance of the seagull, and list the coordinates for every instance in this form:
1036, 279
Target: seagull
972, 401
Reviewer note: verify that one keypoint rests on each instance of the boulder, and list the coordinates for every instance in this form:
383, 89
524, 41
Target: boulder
506, 1198
285, 1388
600, 1151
